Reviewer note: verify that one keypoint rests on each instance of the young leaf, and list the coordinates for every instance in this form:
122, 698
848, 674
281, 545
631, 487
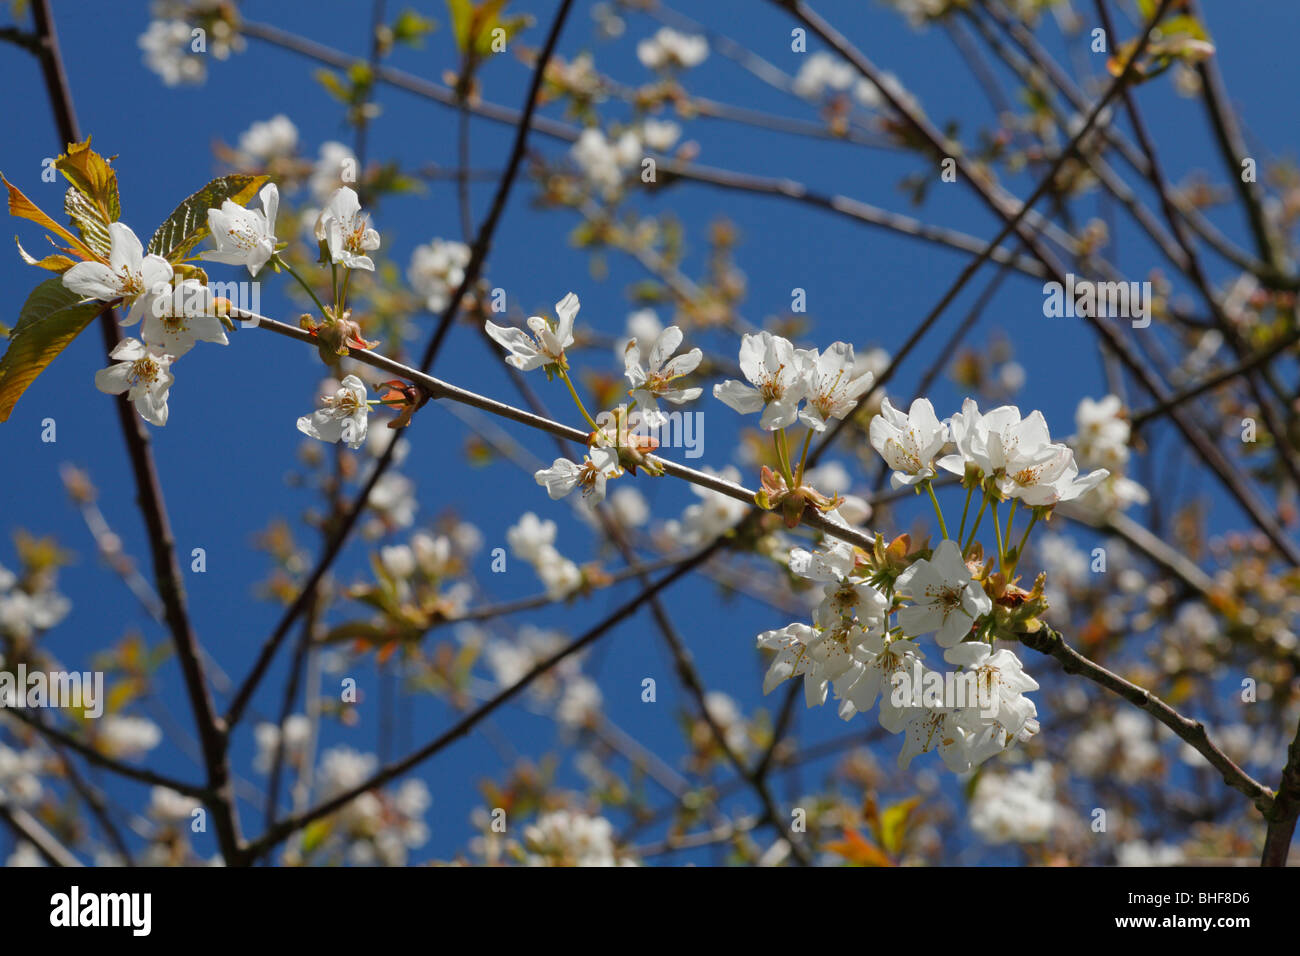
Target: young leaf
52, 316
89, 220
24, 208
55, 263
92, 203
188, 223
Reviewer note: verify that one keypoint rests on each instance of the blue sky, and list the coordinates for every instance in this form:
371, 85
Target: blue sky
231, 438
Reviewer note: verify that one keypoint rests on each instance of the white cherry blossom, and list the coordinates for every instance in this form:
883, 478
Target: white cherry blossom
129, 275
437, 269
654, 382
599, 465
344, 417
180, 316
244, 237
943, 597
777, 382
908, 443
669, 48
143, 373
547, 343
346, 231
830, 389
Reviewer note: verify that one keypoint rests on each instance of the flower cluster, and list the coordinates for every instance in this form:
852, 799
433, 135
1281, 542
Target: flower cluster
437, 269
605, 161
618, 442
563, 838
781, 377
1102, 439
179, 309
379, 827
533, 541
862, 644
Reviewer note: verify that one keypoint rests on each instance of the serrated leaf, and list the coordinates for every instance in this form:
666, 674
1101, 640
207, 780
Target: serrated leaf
91, 175
188, 223
89, 221
51, 317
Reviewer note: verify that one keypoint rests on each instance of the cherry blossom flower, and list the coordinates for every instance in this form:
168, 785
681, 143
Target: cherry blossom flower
292, 743
346, 231
127, 737
143, 372
836, 650
568, 838
344, 416
770, 364
1001, 684
929, 728
129, 275
655, 381
180, 316
715, 514
1018, 453
606, 161
830, 390
437, 269
821, 71
908, 443
970, 432
1018, 807
845, 597
1102, 439
563, 476
793, 644
668, 48
880, 657
244, 237
276, 138
335, 166
166, 48
944, 598
530, 537
547, 344
1001, 678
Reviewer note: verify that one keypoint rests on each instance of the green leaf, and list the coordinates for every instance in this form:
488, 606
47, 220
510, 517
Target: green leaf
410, 28
89, 220
315, 834
462, 12
188, 223
51, 317
333, 85
509, 28
893, 824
